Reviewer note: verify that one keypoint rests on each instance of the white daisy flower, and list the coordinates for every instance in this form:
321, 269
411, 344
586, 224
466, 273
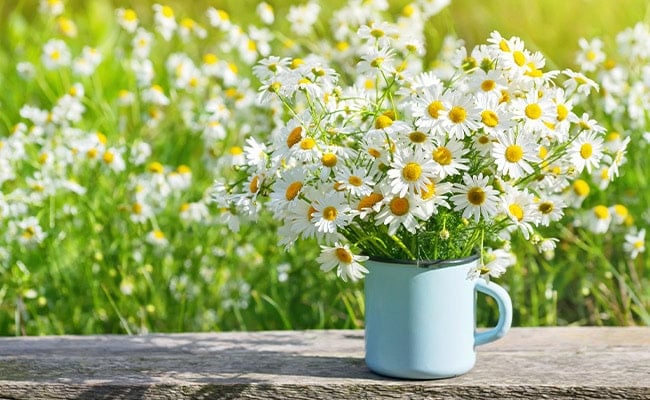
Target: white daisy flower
578, 82
347, 264
157, 238
410, 172
534, 111
127, 19
449, 158
634, 243
430, 108
475, 198
461, 117
590, 55
435, 195
378, 32
56, 54
521, 210
357, 181
400, 211
586, 151
302, 18
332, 212
513, 155
375, 60
165, 20
598, 219
286, 190
496, 262
551, 209
265, 12
620, 214
577, 193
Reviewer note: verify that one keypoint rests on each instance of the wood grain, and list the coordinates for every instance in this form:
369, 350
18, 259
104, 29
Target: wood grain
562, 363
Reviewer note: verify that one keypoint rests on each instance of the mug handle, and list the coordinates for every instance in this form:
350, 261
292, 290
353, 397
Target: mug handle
505, 312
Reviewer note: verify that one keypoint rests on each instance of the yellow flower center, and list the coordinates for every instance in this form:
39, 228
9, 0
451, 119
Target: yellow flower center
129, 15
158, 235
377, 33
296, 62
329, 160
355, 180
156, 167
591, 55
503, 46
369, 201
377, 62
546, 207
343, 255
29, 233
236, 151
601, 212
417, 137
292, 190
562, 112
167, 11
254, 186
294, 136
488, 85
484, 139
374, 152
505, 97
434, 108
476, 196
399, 206
604, 174
92, 153
519, 58
108, 157
514, 153
543, 152
586, 150
412, 171
330, 213
621, 210
383, 121
516, 211
136, 208
489, 118
457, 114
307, 143
533, 111
429, 191
442, 155
581, 188
612, 136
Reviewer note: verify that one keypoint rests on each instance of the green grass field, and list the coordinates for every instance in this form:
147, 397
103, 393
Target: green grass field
105, 212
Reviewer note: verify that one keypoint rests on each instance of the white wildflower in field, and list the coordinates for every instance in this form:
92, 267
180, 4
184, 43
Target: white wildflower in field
265, 12
56, 54
165, 20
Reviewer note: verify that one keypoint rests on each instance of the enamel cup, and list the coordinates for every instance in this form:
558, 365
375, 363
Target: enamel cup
421, 319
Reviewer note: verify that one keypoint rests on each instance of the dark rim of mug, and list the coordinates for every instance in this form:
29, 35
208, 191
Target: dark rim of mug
427, 263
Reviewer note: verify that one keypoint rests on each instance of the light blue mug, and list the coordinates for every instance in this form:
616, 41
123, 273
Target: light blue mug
421, 319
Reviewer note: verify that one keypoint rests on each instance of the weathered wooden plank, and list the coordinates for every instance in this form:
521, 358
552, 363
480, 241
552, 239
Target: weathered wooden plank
564, 363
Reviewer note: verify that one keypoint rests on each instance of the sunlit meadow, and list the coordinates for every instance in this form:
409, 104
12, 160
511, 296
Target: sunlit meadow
115, 123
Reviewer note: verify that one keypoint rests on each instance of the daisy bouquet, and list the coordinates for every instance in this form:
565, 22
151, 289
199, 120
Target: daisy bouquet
398, 160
